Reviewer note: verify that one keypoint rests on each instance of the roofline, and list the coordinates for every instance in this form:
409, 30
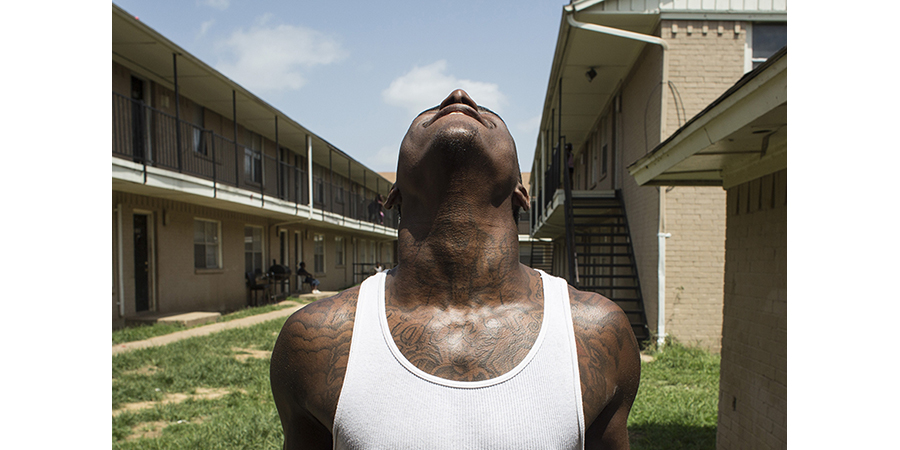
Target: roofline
749, 76
117, 10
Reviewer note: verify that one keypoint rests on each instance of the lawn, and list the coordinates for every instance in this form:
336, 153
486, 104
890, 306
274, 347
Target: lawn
139, 333
677, 403
213, 392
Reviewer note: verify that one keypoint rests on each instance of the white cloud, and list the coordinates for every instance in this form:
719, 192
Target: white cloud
424, 87
205, 26
273, 58
385, 159
218, 4
529, 126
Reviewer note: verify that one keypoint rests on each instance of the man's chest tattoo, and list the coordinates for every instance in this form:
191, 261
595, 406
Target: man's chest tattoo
468, 344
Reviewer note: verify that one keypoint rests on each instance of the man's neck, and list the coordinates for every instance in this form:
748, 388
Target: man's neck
457, 255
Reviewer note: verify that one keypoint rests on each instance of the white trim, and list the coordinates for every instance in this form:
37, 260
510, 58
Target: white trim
219, 259
121, 264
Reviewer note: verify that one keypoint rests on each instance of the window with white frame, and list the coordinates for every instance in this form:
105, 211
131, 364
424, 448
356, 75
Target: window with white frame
319, 253
253, 248
763, 40
339, 251
207, 251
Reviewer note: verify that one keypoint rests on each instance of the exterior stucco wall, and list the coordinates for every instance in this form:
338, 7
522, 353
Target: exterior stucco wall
179, 287
639, 126
753, 378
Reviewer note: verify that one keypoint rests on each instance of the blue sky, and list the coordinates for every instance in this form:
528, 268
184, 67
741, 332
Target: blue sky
357, 72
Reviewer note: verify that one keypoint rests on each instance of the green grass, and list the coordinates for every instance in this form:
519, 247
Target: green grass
676, 406
677, 403
141, 332
243, 418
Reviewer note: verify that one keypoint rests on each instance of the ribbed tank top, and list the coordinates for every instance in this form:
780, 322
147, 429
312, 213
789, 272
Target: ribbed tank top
388, 403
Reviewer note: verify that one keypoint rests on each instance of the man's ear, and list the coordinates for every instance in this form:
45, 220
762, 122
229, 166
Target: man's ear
393, 197
520, 197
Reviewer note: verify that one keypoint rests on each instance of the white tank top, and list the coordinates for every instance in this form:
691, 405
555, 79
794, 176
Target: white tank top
388, 403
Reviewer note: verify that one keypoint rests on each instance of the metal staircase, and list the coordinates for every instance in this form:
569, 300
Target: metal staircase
541, 256
603, 256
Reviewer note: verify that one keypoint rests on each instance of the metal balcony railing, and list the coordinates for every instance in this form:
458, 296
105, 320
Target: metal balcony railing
151, 137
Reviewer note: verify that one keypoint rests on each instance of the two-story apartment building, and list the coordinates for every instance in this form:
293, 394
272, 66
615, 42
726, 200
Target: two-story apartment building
625, 75
212, 185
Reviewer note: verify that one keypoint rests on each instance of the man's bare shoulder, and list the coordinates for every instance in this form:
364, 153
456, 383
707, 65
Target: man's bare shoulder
310, 357
608, 355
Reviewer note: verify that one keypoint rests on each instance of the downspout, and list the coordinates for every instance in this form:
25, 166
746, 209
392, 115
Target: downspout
661, 230
661, 270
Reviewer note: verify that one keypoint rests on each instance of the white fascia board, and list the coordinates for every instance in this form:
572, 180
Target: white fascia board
760, 95
745, 16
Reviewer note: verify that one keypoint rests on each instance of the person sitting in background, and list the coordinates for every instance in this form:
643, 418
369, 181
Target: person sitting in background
314, 283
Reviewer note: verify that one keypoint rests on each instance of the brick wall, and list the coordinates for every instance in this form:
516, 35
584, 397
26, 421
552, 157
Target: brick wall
753, 379
701, 65
695, 264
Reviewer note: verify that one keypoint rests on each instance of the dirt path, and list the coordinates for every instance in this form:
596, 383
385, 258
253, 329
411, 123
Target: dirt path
206, 329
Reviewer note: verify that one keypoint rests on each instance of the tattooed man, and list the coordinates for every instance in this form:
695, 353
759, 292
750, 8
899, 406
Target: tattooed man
459, 346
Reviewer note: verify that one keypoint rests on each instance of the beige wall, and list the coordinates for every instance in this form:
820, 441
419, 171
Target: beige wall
179, 287
701, 66
640, 101
695, 265
753, 379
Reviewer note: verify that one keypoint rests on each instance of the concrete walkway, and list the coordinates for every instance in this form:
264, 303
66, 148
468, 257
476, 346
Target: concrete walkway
212, 328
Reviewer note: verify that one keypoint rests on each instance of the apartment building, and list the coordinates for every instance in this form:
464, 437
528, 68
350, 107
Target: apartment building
211, 186
739, 141
625, 75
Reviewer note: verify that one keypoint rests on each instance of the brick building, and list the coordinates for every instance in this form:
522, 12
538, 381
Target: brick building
625, 75
211, 186
739, 141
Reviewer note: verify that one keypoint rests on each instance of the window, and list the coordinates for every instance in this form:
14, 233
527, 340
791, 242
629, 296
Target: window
603, 159
319, 253
339, 251
252, 165
319, 190
253, 249
764, 38
206, 244
253, 157
199, 141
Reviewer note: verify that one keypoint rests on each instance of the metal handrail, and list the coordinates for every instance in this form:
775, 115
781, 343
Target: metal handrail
148, 136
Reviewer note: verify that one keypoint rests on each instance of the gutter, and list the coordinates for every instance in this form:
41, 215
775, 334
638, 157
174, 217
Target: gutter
661, 231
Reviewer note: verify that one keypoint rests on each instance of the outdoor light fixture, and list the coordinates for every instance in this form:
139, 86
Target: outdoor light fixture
591, 74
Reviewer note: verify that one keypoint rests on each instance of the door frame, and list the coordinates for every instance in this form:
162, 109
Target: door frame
151, 256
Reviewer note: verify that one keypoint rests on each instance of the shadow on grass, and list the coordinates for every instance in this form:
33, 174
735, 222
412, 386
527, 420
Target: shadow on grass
671, 437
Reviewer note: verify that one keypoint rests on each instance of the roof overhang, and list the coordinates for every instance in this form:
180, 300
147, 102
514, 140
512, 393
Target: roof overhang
150, 54
740, 136
577, 52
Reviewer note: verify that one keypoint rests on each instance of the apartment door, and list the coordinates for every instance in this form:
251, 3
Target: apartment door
141, 262
138, 120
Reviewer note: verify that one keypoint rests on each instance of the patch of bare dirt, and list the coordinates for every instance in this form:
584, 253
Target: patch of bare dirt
243, 354
200, 394
152, 430
145, 371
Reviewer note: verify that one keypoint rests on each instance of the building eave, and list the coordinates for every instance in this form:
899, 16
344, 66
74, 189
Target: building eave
739, 136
